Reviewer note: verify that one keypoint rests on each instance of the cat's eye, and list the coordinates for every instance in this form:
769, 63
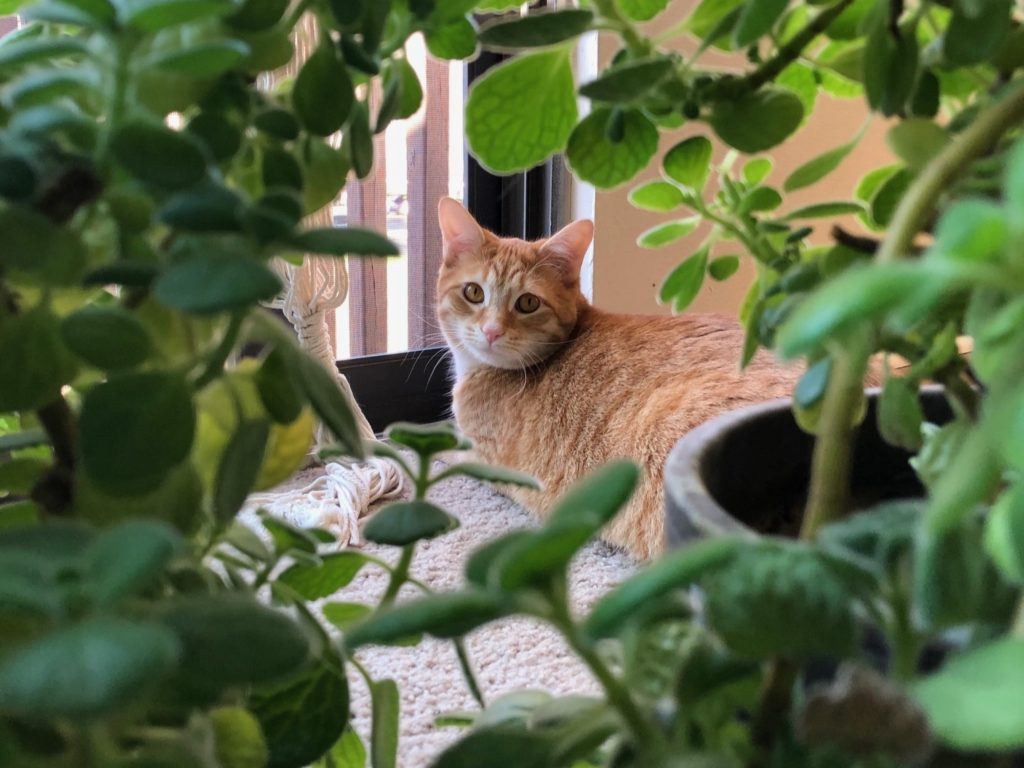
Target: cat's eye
473, 293
527, 303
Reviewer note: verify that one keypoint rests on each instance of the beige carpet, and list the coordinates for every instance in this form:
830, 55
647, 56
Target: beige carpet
508, 655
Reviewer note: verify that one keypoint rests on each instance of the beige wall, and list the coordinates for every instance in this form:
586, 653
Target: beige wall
627, 277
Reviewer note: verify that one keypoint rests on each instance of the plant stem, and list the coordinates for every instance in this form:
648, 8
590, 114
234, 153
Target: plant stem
773, 709
117, 100
215, 363
399, 575
830, 465
467, 673
637, 43
55, 490
917, 205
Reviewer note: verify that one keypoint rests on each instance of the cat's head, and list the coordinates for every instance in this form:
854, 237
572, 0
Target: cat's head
504, 302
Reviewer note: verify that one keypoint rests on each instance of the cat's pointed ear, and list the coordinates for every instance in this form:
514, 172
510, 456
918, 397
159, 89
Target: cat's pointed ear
459, 230
570, 245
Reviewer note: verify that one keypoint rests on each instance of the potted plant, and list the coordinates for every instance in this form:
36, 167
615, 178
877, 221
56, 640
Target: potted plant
887, 636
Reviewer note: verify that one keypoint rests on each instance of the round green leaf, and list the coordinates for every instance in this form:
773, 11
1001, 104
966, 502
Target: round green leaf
689, 162
757, 121
604, 163
86, 670
152, 416
154, 15
344, 615
663, 234
34, 245
916, 141
209, 208
443, 615
723, 267
972, 703
658, 196
277, 389
303, 718
890, 67
755, 171
359, 140
1004, 534
426, 439
972, 230
344, 241
899, 414
974, 39
323, 94
642, 10
455, 40
760, 199
36, 362
479, 747
203, 59
126, 559
324, 169
314, 581
257, 15
232, 639
107, 337
522, 111
536, 29
239, 467
209, 283
756, 19
219, 135
627, 82
157, 155
408, 521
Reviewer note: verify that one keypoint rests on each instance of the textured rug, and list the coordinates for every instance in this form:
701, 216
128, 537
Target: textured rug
507, 655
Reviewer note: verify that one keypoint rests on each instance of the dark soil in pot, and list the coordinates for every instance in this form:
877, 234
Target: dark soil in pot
751, 467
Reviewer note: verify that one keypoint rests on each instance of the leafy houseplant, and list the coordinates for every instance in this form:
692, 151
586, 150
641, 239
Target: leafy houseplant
116, 548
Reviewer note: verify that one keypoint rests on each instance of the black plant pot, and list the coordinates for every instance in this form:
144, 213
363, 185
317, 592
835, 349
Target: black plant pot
750, 468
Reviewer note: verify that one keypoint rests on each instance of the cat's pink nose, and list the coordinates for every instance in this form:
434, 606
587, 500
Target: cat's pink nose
492, 333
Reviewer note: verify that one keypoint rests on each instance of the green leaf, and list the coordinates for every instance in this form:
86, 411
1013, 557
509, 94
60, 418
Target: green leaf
453, 41
756, 19
358, 140
221, 138
1004, 533
28, 438
825, 210
407, 521
658, 196
107, 337
683, 284
137, 408
536, 29
334, 572
384, 733
811, 387
755, 171
208, 208
890, 67
666, 233
916, 141
324, 394
489, 474
17, 476
344, 241
37, 362
257, 15
595, 499
780, 600
856, 296
426, 439
347, 752
972, 39
277, 389
479, 747
323, 94
816, 169
723, 267
86, 670
759, 199
888, 196
34, 245
204, 59
324, 170
231, 639
280, 169
244, 539
303, 718
1013, 186
596, 159
486, 559
642, 10
287, 537
972, 230
277, 122
126, 559
675, 570
759, 120
971, 703
708, 18
344, 615
23, 52
627, 82
157, 155
900, 415
689, 162
443, 615
155, 15
522, 111
239, 467
215, 282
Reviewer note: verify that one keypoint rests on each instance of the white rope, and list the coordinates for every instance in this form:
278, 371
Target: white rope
336, 499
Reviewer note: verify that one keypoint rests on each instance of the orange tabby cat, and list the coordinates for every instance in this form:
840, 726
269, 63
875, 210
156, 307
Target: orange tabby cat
549, 385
